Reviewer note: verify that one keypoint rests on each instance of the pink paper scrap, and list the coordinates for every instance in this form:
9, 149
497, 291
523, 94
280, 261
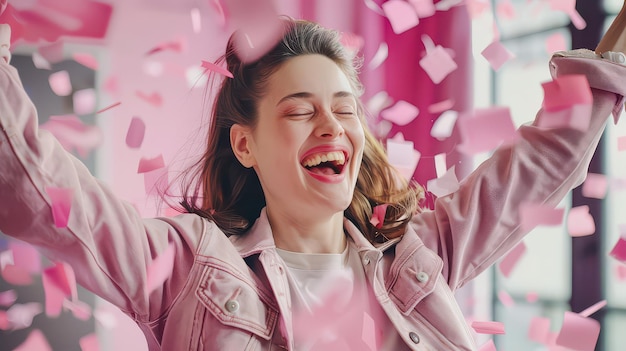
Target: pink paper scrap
423, 8
566, 91
36, 341
79, 309
379, 57
16, 276
156, 181
556, 42
61, 205
59, 283
539, 330
438, 64
378, 215
578, 333
86, 59
403, 156
532, 297
196, 20
441, 106
440, 164
444, 185
511, 259
84, 101
621, 143
40, 62
593, 309
25, 256
505, 299
73, 134
136, 132
488, 327
401, 15
488, 346
595, 186
580, 222
108, 107
401, 113
505, 10
618, 251
20, 316
154, 99
7, 298
497, 55
258, 27
209, 66
150, 164
52, 53
89, 342
60, 83
576, 117
444, 125
485, 129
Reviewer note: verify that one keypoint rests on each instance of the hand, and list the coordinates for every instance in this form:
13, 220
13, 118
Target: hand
5, 42
615, 37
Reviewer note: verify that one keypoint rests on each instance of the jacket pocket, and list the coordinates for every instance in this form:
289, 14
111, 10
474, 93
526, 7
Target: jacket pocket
234, 299
415, 279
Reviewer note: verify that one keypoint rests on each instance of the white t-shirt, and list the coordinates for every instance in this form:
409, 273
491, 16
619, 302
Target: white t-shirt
333, 306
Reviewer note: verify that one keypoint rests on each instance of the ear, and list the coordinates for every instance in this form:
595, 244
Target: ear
240, 138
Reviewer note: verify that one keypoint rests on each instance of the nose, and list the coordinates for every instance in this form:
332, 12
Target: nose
328, 126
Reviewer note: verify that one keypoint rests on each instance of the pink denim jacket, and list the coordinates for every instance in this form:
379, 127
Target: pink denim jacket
232, 293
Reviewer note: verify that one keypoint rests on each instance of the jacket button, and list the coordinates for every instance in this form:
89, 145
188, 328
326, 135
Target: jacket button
414, 337
422, 277
232, 306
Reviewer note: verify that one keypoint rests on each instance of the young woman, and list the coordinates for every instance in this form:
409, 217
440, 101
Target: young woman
277, 251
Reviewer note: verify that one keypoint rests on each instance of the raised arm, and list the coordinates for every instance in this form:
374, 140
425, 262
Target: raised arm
106, 242
474, 227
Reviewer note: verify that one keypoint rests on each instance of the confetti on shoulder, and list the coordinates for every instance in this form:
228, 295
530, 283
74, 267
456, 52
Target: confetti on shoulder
209, 66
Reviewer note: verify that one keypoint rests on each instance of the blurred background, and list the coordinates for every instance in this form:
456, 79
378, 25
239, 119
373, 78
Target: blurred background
120, 81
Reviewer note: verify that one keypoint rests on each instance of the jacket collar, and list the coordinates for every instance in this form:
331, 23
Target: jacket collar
260, 238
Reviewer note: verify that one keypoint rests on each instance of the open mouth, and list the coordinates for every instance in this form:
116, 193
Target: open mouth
328, 163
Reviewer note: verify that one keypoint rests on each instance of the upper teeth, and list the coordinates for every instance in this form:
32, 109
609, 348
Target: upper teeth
315, 160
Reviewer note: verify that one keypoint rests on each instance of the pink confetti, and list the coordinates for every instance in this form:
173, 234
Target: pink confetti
619, 250
60, 83
7, 298
36, 341
569, 7
108, 107
20, 316
497, 55
533, 215
539, 330
593, 309
26, 256
423, 8
532, 297
136, 132
105, 318
438, 64
16, 276
440, 164
444, 125
580, 222
61, 205
556, 42
577, 117
52, 53
380, 56
505, 10
441, 106
150, 164
86, 60
160, 269
595, 186
578, 332
621, 143
40, 62
59, 283
84, 101
444, 185
154, 99
566, 91
6, 258
155, 181
73, 134
258, 28
620, 271
505, 299
401, 113
79, 309
4, 320
511, 259
179, 45
89, 343
402, 155
196, 20
486, 129
208, 66
488, 346
378, 215
488, 327
401, 15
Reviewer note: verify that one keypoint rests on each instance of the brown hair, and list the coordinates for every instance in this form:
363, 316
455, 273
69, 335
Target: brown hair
231, 195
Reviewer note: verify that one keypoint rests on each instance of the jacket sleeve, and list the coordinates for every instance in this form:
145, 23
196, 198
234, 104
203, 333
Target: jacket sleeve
475, 226
106, 242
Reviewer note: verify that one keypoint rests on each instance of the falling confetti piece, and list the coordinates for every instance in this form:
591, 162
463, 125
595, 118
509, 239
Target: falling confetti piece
539, 330
619, 250
621, 143
196, 20
73, 134
401, 113
84, 101
20, 316
150, 164
497, 55
578, 332
440, 164
59, 283
441, 106
52, 53
40, 62
401, 15
109, 107
511, 259
489, 345
179, 45
61, 205
444, 125
423, 8
485, 129
25, 256
154, 99
566, 91
556, 42
505, 299
60, 83
380, 56
532, 297
378, 215
36, 341
403, 156
595, 186
444, 185
136, 132
488, 327
7, 298
438, 64
86, 59
208, 66
580, 222
593, 309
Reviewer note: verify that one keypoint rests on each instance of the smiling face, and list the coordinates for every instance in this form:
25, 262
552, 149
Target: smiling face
307, 144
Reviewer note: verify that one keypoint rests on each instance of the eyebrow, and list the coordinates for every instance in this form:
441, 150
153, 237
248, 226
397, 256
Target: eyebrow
306, 95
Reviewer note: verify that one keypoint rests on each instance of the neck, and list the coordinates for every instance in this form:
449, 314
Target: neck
307, 235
